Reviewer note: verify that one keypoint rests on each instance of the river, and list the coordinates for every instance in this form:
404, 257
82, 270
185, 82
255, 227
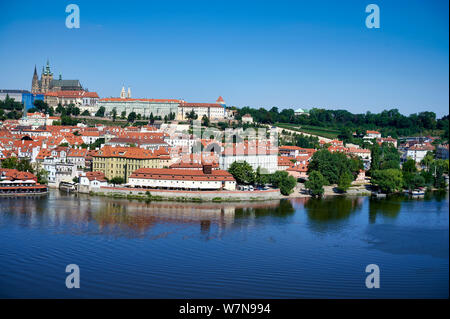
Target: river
297, 248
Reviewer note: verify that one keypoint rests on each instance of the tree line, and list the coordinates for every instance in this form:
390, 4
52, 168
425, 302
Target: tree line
388, 122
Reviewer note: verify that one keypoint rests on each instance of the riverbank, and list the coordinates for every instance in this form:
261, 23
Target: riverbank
356, 190
187, 196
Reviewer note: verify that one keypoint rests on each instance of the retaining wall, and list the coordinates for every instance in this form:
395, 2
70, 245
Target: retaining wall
203, 195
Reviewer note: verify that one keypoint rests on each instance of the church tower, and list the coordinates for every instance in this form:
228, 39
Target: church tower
129, 93
46, 78
123, 95
35, 82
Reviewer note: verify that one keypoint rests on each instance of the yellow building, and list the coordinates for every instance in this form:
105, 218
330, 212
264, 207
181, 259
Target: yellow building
122, 161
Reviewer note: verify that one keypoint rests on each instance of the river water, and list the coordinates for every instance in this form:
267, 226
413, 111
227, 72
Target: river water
298, 248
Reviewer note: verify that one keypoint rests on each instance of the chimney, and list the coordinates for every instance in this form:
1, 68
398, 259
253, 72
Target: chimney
207, 169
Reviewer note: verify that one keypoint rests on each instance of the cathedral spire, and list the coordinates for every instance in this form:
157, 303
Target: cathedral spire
47, 69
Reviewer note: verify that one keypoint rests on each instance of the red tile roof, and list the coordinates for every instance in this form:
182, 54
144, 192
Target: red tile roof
118, 99
181, 174
131, 152
72, 94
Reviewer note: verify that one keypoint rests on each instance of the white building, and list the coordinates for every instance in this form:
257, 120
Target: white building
301, 111
91, 181
213, 111
417, 152
371, 135
263, 156
81, 99
59, 172
77, 156
182, 179
38, 119
247, 118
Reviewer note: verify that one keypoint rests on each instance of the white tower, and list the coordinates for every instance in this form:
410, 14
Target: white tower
129, 93
122, 93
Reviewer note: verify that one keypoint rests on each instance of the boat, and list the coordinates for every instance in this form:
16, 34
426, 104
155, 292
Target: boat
378, 195
417, 192
67, 186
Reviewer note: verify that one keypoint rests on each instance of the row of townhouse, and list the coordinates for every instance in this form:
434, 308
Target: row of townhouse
122, 161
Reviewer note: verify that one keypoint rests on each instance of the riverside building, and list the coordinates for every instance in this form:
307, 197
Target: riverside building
183, 179
122, 161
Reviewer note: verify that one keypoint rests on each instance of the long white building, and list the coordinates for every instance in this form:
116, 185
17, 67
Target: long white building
182, 179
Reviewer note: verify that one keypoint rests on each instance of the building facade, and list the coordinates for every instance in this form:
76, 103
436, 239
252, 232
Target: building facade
122, 161
183, 179
46, 83
81, 99
21, 96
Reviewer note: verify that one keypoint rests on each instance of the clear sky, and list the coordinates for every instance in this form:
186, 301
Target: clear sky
255, 53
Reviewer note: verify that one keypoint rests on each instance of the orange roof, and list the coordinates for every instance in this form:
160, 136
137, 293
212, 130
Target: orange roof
131, 152
220, 100
118, 99
72, 94
181, 174
285, 161
299, 168
14, 174
96, 175
200, 105
77, 152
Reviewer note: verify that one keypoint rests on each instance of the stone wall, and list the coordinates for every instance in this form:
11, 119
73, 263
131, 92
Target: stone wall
195, 195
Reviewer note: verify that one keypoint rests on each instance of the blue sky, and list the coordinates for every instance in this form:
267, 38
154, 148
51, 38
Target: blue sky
256, 53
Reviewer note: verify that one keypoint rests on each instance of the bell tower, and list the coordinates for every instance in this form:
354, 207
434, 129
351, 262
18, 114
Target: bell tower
46, 78
35, 82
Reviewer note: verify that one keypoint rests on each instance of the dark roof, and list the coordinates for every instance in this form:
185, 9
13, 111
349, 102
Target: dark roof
63, 83
13, 91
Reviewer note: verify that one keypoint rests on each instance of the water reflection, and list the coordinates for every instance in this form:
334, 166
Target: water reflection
328, 214
389, 207
120, 217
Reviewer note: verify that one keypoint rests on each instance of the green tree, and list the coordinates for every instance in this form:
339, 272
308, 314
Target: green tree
59, 109
114, 114
439, 168
117, 180
131, 117
42, 176
100, 112
332, 165
409, 166
242, 172
345, 181
427, 160
10, 162
413, 180
205, 121
283, 181
22, 165
388, 180
315, 183
85, 113
76, 111
191, 115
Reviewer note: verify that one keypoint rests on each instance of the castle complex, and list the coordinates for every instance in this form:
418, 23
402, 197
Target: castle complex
48, 84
